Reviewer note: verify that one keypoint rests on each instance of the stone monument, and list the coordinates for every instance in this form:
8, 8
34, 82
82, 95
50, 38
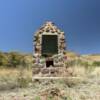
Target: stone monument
49, 48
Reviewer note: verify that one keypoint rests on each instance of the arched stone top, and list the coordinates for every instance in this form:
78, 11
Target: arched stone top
49, 28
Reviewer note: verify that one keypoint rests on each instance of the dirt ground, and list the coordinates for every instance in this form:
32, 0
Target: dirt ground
79, 88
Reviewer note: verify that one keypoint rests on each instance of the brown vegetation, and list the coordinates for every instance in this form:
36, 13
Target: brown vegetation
16, 81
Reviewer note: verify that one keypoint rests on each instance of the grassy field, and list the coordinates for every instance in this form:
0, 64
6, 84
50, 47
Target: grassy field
16, 84
16, 81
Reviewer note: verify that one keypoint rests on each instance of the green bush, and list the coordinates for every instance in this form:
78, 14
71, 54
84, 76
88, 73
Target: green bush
37, 98
3, 59
15, 59
96, 63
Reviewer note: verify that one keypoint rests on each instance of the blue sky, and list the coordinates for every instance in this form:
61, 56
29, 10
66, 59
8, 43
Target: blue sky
79, 19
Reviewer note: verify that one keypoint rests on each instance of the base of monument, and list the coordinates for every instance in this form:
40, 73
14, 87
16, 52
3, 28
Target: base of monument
51, 72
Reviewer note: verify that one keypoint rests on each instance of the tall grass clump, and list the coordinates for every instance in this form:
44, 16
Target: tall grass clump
24, 77
11, 78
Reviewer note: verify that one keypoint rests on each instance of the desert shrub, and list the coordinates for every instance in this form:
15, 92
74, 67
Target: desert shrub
22, 82
37, 98
49, 98
70, 63
3, 59
66, 98
78, 62
81, 62
23, 79
85, 64
15, 59
26, 62
96, 63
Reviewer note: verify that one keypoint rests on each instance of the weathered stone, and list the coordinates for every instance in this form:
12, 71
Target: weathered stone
44, 71
49, 29
36, 70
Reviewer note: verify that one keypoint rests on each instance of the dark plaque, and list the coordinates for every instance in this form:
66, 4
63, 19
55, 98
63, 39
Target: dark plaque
49, 45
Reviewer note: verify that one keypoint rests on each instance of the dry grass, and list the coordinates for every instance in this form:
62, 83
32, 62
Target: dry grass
84, 86
11, 78
14, 73
7, 72
93, 57
96, 72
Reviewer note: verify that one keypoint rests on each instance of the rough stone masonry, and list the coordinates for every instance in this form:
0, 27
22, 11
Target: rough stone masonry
48, 51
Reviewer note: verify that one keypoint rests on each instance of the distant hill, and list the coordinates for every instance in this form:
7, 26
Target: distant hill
94, 57
72, 55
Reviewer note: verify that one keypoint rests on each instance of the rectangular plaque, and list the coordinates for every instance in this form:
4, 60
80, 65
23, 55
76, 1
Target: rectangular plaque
49, 44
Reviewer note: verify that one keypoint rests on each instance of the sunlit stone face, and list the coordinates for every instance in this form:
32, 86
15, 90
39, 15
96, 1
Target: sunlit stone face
49, 40
49, 45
